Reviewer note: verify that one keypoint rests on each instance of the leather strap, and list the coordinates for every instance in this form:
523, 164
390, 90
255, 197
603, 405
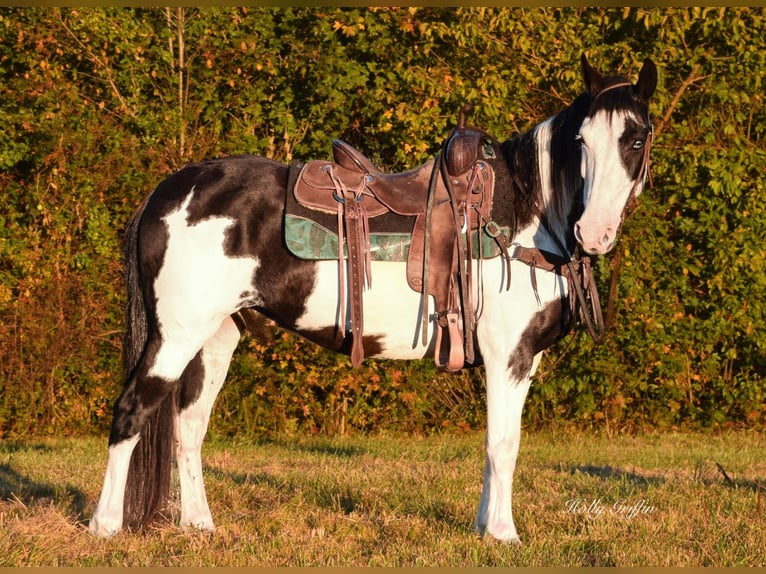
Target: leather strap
453, 318
460, 290
427, 245
355, 241
583, 291
352, 218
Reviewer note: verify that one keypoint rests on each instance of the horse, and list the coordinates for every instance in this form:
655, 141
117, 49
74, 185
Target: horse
205, 260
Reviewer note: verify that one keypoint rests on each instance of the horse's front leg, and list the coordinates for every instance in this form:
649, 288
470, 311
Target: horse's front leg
505, 401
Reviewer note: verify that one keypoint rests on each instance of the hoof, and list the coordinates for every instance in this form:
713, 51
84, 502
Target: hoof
514, 541
502, 533
205, 526
101, 530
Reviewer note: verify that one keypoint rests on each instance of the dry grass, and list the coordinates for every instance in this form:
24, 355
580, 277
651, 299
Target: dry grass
403, 501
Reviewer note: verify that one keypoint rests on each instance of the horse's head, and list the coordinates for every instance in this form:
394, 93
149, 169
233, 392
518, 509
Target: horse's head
615, 138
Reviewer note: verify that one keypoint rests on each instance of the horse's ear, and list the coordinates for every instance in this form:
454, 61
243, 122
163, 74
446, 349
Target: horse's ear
647, 80
593, 78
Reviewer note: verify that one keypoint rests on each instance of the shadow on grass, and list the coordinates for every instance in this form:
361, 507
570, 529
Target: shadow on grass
611, 473
336, 450
12, 447
315, 446
18, 488
703, 474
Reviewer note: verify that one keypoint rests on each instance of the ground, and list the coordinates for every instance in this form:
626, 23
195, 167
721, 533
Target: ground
580, 500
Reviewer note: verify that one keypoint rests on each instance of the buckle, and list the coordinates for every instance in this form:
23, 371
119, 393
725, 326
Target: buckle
492, 229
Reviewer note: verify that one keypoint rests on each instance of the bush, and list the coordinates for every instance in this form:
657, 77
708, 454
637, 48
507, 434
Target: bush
96, 110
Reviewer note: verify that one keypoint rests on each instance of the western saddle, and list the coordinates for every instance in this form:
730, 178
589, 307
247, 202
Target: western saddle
449, 197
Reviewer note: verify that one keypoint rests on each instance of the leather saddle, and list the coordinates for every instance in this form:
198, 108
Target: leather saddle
447, 196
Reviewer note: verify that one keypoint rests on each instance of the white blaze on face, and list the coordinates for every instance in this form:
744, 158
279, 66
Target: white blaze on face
607, 184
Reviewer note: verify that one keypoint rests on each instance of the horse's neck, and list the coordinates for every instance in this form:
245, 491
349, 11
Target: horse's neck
548, 183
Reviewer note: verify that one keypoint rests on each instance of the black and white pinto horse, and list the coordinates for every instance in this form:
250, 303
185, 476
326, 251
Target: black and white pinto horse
206, 260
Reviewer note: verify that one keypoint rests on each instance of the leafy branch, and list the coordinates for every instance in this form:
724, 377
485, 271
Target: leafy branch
100, 64
694, 76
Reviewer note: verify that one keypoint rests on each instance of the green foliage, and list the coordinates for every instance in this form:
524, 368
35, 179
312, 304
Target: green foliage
99, 104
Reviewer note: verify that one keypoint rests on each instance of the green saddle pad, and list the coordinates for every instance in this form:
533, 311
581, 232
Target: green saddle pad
307, 239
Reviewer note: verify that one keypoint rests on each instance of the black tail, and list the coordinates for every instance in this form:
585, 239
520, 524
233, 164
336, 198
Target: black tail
148, 487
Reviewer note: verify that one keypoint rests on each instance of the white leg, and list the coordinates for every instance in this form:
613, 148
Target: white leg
192, 425
505, 401
107, 519
167, 365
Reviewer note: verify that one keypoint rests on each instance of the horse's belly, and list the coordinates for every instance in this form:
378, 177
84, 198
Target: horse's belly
392, 311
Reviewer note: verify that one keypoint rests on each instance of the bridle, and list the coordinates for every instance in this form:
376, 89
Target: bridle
577, 268
644, 173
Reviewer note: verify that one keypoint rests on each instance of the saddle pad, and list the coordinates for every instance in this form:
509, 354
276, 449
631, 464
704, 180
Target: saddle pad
307, 239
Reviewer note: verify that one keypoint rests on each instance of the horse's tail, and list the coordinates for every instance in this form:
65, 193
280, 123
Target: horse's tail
148, 486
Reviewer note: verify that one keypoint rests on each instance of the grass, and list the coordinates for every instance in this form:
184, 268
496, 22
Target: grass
394, 501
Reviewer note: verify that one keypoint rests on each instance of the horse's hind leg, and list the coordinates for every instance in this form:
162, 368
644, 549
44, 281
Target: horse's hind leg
137, 495
107, 518
199, 389
142, 396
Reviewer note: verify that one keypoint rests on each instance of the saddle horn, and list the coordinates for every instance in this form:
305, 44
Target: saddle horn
466, 109
462, 148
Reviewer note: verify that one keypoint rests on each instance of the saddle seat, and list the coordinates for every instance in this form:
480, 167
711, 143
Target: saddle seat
404, 193
447, 193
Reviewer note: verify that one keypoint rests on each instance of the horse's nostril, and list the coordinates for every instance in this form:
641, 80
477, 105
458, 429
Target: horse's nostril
606, 238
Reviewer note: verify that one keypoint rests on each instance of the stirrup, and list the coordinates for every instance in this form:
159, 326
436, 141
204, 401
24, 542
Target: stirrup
455, 356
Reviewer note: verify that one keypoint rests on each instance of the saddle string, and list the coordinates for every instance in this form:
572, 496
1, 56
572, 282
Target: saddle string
475, 179
478, 174
353, 219
339, 185
492, 229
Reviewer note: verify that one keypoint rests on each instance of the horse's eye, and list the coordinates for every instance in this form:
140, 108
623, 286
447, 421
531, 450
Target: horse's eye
578, 138
638, 144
